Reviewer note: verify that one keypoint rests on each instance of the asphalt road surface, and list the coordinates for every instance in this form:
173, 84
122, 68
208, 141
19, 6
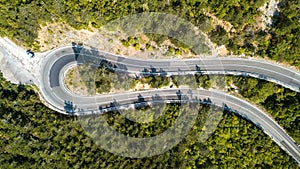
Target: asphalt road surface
62, 100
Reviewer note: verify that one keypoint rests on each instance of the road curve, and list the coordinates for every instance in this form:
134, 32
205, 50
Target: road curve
60, 99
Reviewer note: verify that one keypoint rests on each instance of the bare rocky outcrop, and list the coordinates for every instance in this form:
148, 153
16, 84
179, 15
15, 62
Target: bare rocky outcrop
269, 9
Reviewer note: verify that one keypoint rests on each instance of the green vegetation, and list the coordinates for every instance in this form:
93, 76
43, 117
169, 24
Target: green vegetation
193, 81
279, 42
282, 104
103, 80
285, 42
106, 80
21, 20
156, 81
276, 100
32, 136
136, 41
141, 130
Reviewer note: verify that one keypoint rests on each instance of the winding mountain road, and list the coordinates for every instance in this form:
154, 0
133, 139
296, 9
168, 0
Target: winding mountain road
61, 99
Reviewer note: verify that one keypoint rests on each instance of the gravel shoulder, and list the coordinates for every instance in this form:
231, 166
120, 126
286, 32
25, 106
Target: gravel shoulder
18, 67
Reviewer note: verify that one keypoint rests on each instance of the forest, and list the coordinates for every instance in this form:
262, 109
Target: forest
21, 20
33, 136
276, 100
279, 102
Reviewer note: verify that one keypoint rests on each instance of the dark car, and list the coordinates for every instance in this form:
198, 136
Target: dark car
30, 53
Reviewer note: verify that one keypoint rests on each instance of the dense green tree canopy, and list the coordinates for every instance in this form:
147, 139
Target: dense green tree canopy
32, 136
21, 20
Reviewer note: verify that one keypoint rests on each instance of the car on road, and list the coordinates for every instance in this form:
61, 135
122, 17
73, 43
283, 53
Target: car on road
30, 53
